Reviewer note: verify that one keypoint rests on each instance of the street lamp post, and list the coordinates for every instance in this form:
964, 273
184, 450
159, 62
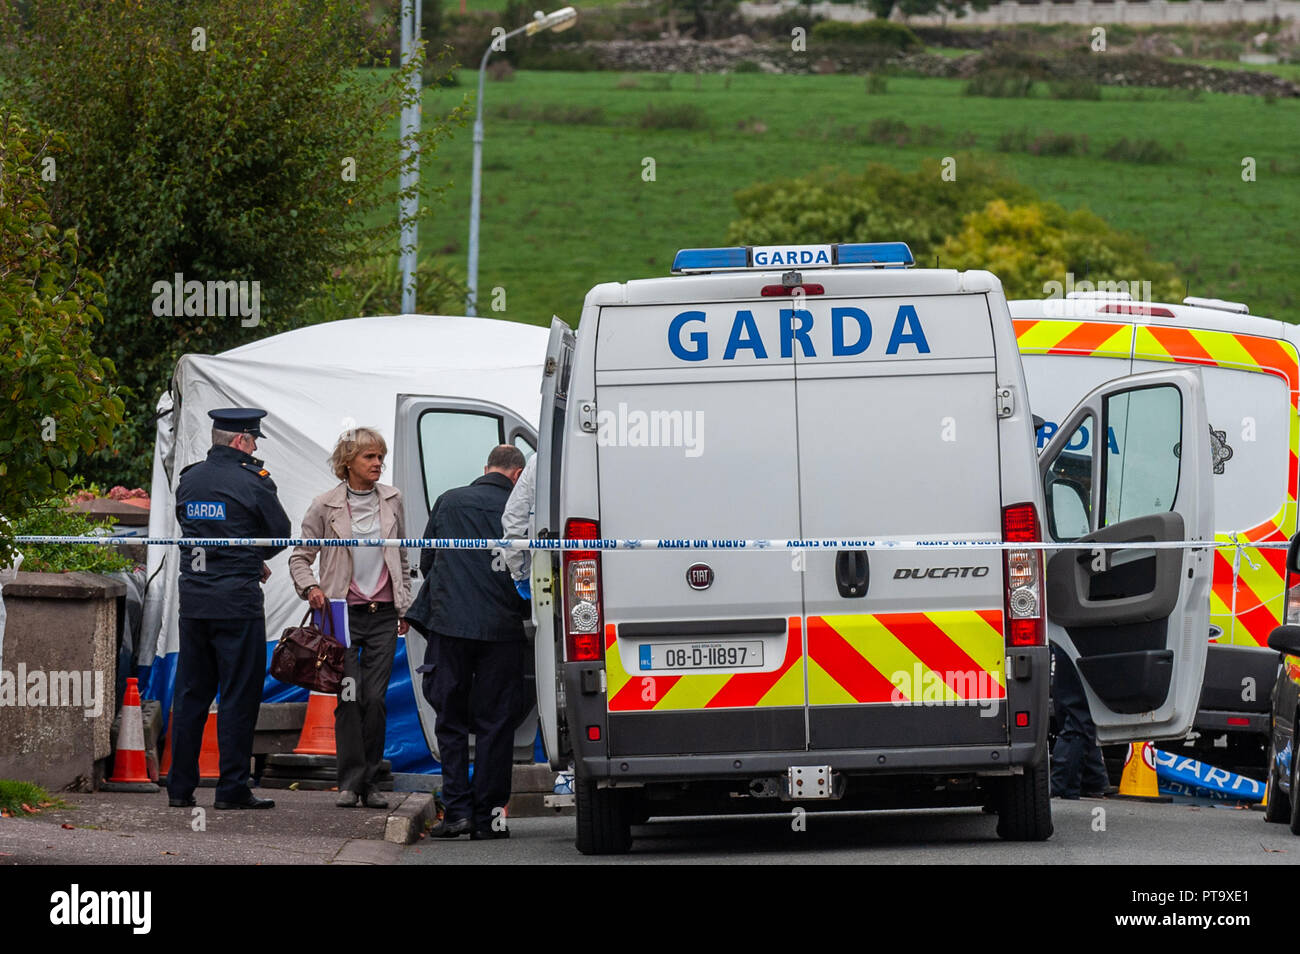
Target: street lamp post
561, 19
410, 177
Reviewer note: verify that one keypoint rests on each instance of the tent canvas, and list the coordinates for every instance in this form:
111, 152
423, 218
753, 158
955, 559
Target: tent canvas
316, 382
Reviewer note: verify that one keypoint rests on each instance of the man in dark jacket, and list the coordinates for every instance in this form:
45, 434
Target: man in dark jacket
473, 618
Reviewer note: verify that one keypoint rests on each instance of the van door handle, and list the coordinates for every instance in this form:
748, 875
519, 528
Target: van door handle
852, 573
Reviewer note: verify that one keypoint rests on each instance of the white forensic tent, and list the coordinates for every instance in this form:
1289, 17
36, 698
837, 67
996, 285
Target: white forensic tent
316, 382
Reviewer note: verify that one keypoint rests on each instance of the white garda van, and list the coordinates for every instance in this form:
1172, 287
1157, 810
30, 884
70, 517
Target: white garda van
1251, 374
815, 392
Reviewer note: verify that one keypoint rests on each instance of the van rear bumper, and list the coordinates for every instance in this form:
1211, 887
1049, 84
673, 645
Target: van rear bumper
985, 760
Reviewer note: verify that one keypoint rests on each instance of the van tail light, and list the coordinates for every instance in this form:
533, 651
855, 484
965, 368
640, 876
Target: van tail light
1023, 575
1292, 617
582, 598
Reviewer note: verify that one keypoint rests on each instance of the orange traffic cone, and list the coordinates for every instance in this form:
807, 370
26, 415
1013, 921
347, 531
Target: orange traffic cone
130, 770
1139, 780
317, 736
209, 753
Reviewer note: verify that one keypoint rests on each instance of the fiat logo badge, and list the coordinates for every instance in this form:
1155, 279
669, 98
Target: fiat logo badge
699, 576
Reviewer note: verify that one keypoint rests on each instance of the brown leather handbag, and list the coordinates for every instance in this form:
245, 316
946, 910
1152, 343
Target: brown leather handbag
308, 657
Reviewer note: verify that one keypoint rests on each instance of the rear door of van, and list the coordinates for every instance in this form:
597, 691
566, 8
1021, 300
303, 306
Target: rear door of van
696, 433
899, 440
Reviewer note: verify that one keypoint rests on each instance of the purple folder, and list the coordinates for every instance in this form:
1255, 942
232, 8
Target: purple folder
338, 610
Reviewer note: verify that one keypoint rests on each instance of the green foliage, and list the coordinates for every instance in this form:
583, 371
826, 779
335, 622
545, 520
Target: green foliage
565, 61
561, 113
53, 517
674, 116
877, 85
782, 26
749, 66
57, 402
1000, 84
1044, 144
375, 288
1143, 151
881, 204
1028, 244
222, 156
880, 33
1075, 89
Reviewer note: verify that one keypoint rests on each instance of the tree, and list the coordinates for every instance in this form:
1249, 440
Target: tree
57, 400
981, 220
220, 141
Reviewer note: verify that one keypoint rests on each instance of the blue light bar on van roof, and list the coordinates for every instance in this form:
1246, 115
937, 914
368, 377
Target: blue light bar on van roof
874, 253
879, 254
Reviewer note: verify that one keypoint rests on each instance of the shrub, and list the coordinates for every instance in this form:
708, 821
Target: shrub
1014, 140
1000, 84
746, 66
1027, 244
57, 400
782, 26
1075, 89
878, 33
889, 131
677, 116
1144, 151
559, 60
876, 84
54, 517
881, 203
1059, 144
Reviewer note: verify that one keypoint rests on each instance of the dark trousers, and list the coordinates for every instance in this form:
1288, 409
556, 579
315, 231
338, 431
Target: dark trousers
225, 654
361, 716
1077, 765
492, 673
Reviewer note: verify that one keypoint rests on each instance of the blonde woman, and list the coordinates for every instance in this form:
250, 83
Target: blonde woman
375, 581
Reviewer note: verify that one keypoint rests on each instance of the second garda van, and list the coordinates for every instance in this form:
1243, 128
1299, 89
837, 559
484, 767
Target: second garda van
1251, 372
810, 478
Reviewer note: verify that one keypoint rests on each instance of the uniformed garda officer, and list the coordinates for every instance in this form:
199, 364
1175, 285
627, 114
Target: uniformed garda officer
222, 626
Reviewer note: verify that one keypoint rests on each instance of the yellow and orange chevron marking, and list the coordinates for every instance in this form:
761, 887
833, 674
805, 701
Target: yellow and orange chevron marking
906, 657
1248, 604
629, 692
1093, 339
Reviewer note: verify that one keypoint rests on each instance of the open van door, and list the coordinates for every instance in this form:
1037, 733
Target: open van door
545, 572
441, 443
1132, 463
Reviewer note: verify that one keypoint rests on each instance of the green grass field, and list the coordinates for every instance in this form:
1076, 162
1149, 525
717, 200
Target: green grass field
565, 206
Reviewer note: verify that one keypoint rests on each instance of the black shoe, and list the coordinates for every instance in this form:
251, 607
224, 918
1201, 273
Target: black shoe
489, 834
251, 802
453, 829
181, 802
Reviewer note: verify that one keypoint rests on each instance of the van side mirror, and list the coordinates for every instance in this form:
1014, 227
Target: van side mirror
1067, 509
1293, 555
1285, 639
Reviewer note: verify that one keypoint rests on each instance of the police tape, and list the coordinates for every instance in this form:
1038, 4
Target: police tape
554, 543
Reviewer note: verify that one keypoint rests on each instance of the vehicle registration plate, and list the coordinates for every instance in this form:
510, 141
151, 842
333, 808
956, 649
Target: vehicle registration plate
731, 654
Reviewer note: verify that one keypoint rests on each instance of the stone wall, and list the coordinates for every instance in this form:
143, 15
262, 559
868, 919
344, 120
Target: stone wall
691, 56
1084, 12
